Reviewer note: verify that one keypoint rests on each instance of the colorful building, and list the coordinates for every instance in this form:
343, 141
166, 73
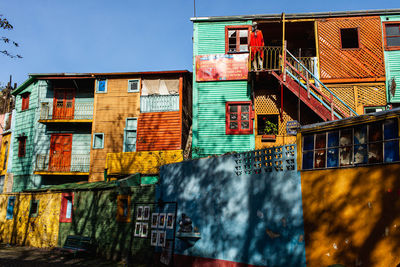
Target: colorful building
350, 190
311, 67
52, 134
141, 121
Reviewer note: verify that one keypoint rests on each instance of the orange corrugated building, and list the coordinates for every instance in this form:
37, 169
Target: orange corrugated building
142, 111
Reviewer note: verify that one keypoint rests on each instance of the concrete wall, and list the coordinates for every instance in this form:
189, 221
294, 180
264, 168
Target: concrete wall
246, 206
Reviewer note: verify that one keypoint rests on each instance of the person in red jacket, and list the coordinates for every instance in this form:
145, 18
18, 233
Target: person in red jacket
256, 47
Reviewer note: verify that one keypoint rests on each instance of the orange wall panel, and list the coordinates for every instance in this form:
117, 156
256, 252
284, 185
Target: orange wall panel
352, 216
367, 61
159, 131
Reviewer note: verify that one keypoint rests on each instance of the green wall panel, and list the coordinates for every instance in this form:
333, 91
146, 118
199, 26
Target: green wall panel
95, 216
209, 98
392, 65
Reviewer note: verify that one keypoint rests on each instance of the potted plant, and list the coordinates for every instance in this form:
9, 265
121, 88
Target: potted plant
270, 131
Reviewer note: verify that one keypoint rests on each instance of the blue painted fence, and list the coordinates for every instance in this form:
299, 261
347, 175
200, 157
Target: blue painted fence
247, 206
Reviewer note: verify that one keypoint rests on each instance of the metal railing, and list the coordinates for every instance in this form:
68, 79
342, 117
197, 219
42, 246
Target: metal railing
81, 111
263, 58
310, 63
60, 163
302, 75
159, 103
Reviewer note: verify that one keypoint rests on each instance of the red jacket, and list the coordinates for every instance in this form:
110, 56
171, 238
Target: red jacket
256, 40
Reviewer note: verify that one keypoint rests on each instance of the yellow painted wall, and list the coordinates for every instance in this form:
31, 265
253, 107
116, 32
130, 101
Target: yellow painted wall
5, 145
145, 162
41, 231
352, 216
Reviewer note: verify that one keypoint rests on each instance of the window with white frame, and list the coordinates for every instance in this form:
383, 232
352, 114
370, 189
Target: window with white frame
376, 142
130, 135
101, 86
133, 86
98, 140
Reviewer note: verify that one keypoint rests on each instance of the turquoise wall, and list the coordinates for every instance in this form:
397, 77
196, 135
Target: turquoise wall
209, 98
392, 65
39, 134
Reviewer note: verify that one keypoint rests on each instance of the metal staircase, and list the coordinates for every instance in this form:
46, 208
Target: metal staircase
303, 83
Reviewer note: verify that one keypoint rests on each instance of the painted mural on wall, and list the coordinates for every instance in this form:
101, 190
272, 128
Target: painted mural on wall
221, 67
247, 207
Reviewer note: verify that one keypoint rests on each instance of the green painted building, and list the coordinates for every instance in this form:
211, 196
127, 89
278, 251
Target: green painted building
391, 38
210, 97
52, 134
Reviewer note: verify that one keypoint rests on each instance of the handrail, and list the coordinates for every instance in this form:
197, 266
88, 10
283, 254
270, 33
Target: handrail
317, 80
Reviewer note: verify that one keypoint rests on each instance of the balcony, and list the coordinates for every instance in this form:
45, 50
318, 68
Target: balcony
81, 112
159, 103
61, 165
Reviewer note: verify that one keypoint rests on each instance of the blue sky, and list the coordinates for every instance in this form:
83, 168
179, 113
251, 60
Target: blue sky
122, 36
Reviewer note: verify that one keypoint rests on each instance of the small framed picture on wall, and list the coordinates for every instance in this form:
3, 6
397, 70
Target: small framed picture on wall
154, 238
154, 220
170, 220
139, 213
146, 213
161, 220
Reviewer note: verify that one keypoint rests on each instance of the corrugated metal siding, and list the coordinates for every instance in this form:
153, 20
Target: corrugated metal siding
159, 131
144, 162
392, 59
209, 97
338, 63
210, 36
211, 137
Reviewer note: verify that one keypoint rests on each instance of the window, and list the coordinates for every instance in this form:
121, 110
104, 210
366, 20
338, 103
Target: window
34, 209
237, 39
392, 35
22, 146
10, 208
262, 121
67, 203
5, 144
25, 101
371, 143
101, 86
98, 140
134, 86
123, 208
373, 109
349, 38
239, 118
2, 178
130, 135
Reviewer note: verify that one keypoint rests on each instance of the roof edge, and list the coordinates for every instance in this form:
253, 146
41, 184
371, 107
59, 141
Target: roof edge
331, 14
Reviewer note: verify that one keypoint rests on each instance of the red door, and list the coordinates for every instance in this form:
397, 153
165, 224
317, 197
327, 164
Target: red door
60, 152
63, 104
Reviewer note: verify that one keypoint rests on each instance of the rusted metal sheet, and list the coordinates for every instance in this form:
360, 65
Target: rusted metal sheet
145, 162
337, 63
159, 131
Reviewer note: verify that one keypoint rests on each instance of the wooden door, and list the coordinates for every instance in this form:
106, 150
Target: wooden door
60, 152
63, 104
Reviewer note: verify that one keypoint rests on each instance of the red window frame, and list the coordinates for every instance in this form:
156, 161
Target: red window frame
239, 130
22, 146
25, 101
64, 203
388, 48
237, 28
